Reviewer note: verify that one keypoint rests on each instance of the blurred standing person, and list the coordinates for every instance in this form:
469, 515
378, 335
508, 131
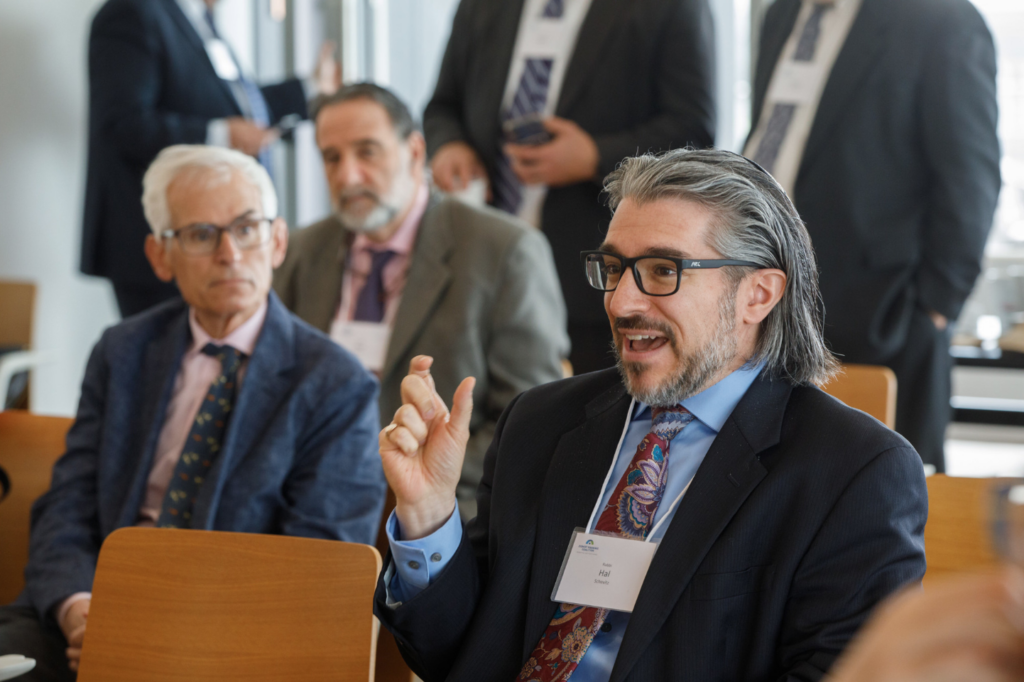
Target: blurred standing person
159, 75
579, 84
878, 117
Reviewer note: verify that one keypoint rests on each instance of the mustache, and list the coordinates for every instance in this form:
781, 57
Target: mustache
641, 322
357, 193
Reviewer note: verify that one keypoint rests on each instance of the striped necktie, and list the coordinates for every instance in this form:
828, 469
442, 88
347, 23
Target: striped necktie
204, 440
530, 97
630, 512
767, 152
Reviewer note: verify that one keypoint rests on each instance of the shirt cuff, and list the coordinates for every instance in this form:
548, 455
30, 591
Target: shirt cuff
418, 562
217, 133
65, 605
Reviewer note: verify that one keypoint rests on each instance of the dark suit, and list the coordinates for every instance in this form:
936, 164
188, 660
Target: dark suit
151, 85
803, 515
897, 186
640, 79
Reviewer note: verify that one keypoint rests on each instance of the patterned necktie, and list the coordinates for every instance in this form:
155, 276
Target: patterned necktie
530, 98
203, 442
259, 112
370, 304
629, 513
782, 114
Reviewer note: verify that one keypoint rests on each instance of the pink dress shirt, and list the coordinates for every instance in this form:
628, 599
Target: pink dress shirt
360, 259
195, 375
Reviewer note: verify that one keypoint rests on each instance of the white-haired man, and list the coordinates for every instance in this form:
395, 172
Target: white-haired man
780, 516
222, 411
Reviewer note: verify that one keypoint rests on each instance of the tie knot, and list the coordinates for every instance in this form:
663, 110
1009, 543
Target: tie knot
667, 422
554, 9
230, 358
378, 259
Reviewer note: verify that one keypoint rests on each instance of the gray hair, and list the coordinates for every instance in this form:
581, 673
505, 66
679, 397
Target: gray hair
220, 162
401, 118
755, 221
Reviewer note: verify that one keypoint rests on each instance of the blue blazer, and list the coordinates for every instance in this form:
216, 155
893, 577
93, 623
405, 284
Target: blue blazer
299, 457
151, 85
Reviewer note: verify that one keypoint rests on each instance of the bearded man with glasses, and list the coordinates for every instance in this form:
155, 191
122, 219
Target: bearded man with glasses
218, 411
780, 517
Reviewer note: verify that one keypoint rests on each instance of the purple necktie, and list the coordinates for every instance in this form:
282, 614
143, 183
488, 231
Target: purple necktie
370, 304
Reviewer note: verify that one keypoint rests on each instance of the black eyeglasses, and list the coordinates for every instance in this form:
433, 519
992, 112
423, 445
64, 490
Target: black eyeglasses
202, 239
654, 275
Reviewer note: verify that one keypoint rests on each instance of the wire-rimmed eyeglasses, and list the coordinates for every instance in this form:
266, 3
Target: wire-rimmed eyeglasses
654, 275
202, 239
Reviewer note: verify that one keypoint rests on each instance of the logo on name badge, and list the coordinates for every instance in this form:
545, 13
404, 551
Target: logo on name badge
590, 542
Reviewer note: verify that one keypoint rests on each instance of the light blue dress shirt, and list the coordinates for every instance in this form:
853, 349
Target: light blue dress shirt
418, 562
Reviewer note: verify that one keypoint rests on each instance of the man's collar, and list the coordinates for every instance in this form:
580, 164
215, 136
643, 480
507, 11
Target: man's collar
714, 404
242, 339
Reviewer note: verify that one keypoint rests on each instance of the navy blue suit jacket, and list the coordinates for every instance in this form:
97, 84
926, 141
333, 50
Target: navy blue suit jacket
803, 515
151, 85
299, 457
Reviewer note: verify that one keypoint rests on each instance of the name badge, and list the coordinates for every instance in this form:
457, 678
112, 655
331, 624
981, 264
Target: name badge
223, 63
368, 341
603, 571
796, 83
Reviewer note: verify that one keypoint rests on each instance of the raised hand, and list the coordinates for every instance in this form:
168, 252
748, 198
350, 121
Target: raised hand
455, 165
423, 448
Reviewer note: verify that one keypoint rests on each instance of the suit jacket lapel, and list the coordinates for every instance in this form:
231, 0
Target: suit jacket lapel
319, 290
771, 50
160, 366
428, 278
863, 46
571, 489
264, 387
602, 17
500, 30
189, 32
730, 472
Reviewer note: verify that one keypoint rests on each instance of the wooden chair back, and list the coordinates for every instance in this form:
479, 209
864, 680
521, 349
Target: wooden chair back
868, 388
957, 537
17, 305
29, 445
210, 606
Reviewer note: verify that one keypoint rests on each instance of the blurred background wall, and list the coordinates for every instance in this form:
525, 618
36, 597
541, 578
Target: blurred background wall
42, 175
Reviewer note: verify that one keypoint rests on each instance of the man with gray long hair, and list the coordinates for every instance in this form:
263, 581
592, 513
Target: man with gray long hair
780, 516
217, 411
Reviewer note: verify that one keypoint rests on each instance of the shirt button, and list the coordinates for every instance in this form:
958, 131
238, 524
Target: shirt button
607, 627
435, 557
414, 565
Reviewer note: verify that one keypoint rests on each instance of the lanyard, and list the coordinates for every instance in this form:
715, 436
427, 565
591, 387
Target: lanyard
608, 476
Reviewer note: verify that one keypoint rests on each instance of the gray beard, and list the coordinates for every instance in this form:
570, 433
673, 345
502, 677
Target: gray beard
381, 215
694, 372
387, 209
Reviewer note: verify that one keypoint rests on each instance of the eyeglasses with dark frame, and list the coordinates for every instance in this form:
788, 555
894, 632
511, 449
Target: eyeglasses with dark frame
202, 239
654, 275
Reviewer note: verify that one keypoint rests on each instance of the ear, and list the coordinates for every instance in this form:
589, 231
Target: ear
759, 293
279, 242
159, 259
417, 150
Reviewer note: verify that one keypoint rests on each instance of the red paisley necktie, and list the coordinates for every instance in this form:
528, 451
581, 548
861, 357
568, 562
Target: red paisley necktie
629, 513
